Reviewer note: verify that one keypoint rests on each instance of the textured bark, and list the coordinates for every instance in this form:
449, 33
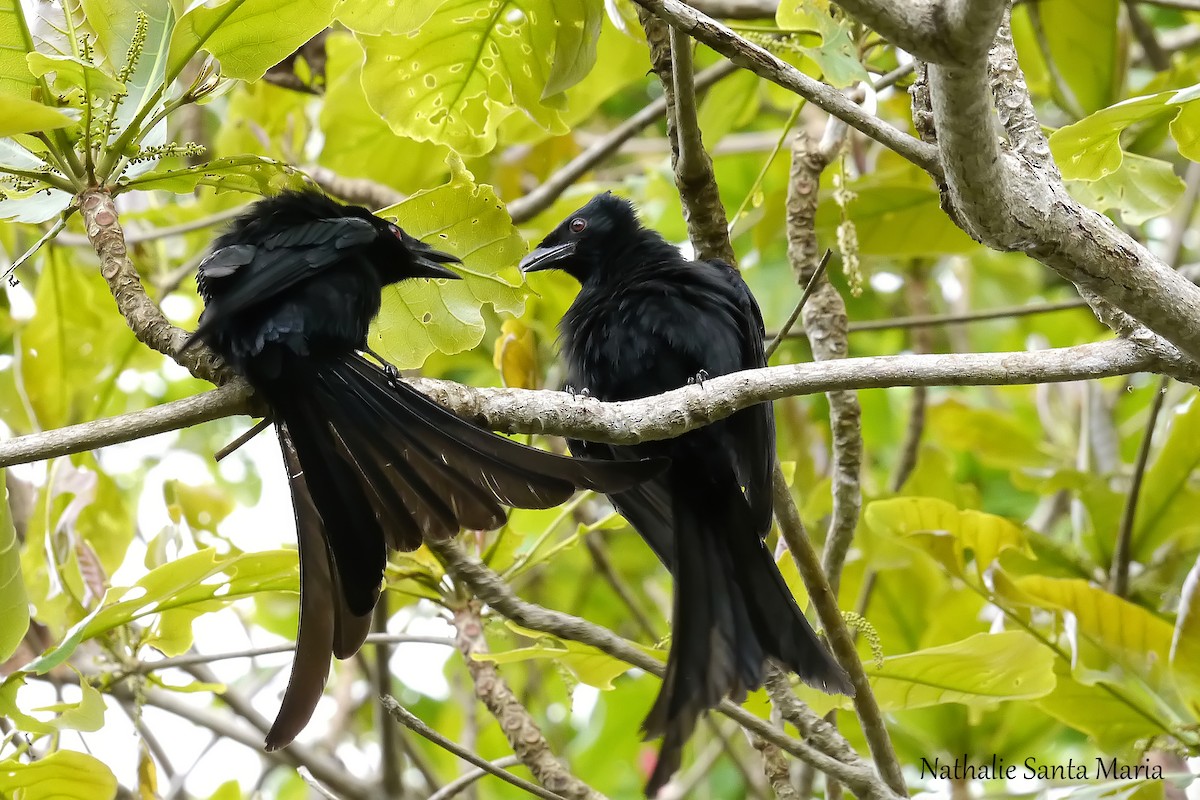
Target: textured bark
523, 734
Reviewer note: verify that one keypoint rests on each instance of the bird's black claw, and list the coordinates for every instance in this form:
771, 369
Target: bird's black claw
393, 374
698, 379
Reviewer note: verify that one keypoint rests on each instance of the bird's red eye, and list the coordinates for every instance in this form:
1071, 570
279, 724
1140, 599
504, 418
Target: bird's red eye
399, 234
578, 225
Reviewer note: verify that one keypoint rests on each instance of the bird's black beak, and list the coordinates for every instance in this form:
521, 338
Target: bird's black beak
427, 262
547, 257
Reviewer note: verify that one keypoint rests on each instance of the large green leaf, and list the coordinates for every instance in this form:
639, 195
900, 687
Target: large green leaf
945, 531
1123, 629
995, 438
466, 219
1091, 148
1083, 39
28, 116
352, 128
85, 715
14, 605
474, 62
116, 23
203, 579
62, 775
248, 37
16, 81
1141, 188
1098, 710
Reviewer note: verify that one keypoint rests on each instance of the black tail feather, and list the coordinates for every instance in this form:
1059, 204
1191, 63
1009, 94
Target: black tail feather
732, 612
374, 464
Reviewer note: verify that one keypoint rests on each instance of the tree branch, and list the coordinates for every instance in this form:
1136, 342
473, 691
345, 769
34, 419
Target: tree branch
144, 318
754, 58
523, 734
825, 602
491, 588
937, 31
410, 721
825, 325
660, 417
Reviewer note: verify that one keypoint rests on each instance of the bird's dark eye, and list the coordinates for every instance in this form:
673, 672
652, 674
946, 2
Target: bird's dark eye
578, 225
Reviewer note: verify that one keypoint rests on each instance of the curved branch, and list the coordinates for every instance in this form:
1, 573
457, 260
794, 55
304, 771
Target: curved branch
937, 31
632, 421
143, 316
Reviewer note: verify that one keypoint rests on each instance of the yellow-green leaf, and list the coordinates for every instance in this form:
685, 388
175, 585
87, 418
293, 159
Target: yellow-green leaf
29, 116
945, 531
515, 355
468, 220
62, 775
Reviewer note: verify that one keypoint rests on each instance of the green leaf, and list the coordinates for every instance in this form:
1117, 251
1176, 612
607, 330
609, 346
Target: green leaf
16, 81
575, 45
195, 579
75, 73
729, 104
1097, 710
62, 775
14, 605
1091, 149
1083, 39
978, 671
836, 55
1134, 789
204, 507
253, 174
592, 666
1120, 627
374, 18
1141, 188
29, 116
471, 64
352, 128
467, 219
86, 715
994, 438
1167, 505
946, 532
248, 37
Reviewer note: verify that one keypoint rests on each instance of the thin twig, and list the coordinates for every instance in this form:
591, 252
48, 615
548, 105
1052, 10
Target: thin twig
807, 293
461, 783
137, 236
258, 428
522, 209
935, 320
1119, 573
146, 667
414, 724
517, 724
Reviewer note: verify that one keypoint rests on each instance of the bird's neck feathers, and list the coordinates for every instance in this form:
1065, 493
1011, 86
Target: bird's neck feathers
642, 253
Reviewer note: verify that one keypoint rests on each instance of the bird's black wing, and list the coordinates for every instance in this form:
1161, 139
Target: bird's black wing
752, 429
269, 267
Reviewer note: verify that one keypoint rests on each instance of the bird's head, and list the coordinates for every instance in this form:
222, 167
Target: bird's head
579, 244
401, 256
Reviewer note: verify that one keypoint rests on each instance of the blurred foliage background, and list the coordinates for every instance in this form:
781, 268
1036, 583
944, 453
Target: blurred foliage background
982, 570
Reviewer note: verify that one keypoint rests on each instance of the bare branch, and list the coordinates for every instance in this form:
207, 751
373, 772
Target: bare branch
1118, 574
660, 417
825, 326
737, 9
361, 191
139, 235
410, 721
460, 784
523, 734
525, 208
840, 641
759, 61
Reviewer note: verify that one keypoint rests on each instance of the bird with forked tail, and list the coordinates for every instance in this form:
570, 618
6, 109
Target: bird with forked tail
290, 291
646, 321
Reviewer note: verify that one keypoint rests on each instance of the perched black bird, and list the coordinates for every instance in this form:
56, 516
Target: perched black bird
646, 321
289, 293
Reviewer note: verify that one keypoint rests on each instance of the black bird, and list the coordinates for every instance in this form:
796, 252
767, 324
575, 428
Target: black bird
289, 293
646, 321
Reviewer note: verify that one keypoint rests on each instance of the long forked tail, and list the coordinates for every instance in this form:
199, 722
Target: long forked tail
732, 612
375, 464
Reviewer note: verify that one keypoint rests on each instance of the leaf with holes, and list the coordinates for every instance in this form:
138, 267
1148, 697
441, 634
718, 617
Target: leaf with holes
1139, 189
474, 62
253, 174
468, 220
